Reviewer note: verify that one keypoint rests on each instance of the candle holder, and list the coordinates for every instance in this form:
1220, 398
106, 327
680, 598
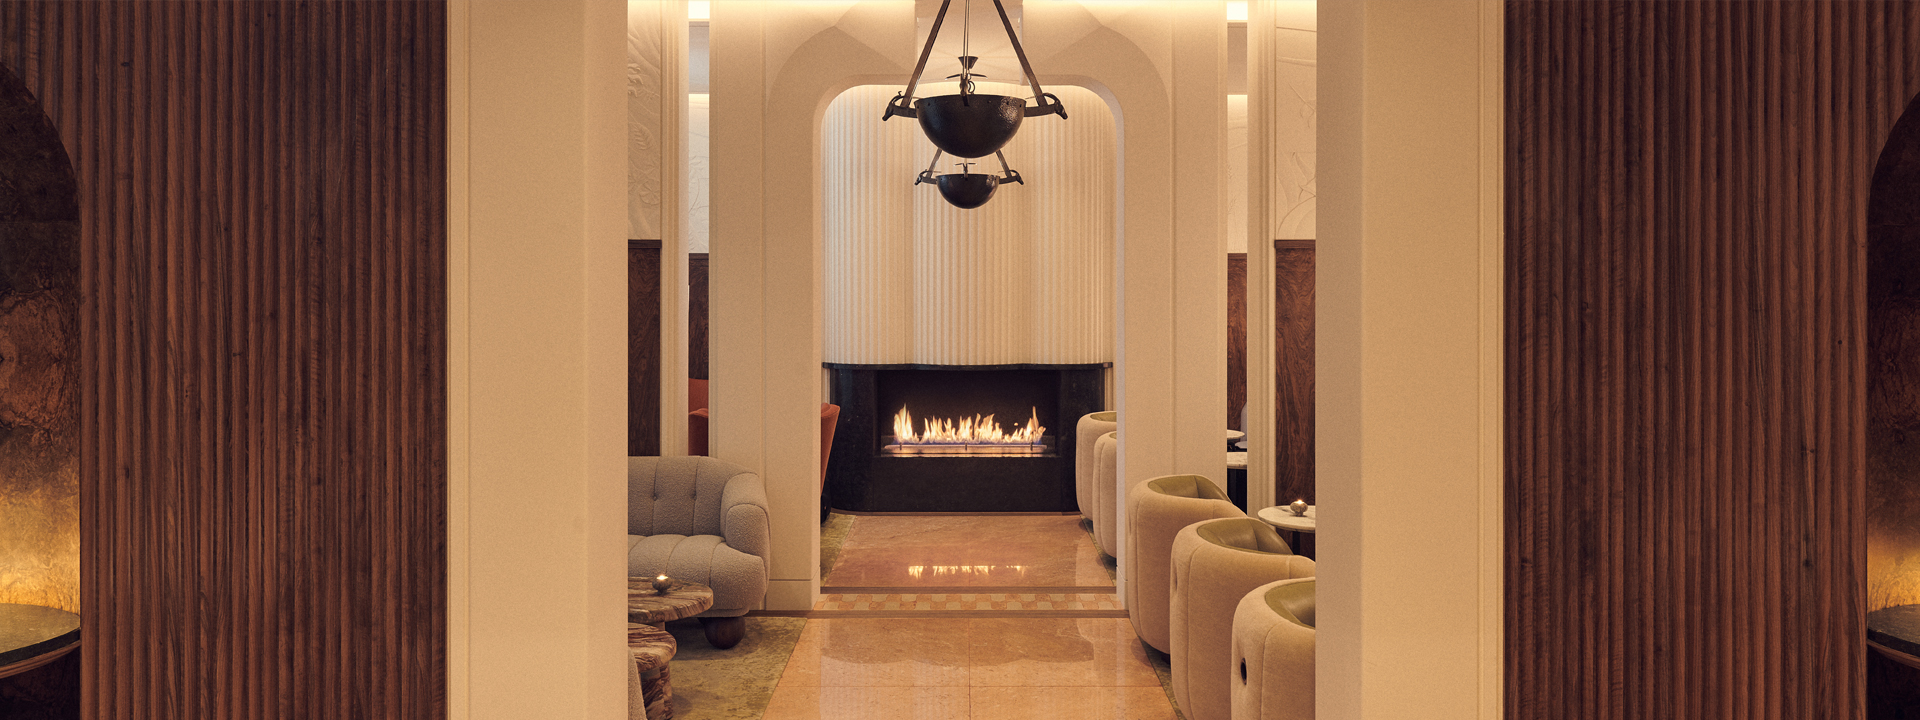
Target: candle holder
662, 583
1299, 508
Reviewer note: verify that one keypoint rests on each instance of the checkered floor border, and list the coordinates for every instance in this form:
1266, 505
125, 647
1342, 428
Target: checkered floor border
939, 602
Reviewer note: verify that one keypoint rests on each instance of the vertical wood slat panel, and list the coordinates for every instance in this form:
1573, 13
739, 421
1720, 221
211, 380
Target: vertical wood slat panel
1236, 338
697, 314
1685, 292
262, 358
1293, 370
643, 347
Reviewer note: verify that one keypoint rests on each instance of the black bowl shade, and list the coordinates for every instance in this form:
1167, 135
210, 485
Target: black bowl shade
971, 126
967, 191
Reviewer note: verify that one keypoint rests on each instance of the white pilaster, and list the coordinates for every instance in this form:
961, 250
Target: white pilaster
1409, 318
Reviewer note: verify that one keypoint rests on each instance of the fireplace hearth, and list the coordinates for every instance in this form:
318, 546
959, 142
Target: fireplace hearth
978, 438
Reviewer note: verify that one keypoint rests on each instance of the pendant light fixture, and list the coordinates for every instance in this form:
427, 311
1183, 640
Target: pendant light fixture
968, 124
968, 190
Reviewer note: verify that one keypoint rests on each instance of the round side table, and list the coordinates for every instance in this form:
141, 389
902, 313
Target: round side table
1284, 520
652, 649
683, 600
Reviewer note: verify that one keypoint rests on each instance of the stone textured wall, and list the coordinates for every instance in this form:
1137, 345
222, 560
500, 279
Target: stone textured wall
39, 393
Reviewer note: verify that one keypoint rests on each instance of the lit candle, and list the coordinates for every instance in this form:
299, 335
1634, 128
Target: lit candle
1299, 507
661, 583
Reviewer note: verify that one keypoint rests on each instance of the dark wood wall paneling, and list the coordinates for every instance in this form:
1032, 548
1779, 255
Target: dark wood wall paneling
1236, 337
1293, 370
697, 316
643, 347
263, 390
1686, 188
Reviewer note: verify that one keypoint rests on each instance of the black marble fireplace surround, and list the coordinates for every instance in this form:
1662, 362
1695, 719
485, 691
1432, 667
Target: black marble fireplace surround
863, 477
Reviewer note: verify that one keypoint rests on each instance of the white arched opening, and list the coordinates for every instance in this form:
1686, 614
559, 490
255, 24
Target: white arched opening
777, 66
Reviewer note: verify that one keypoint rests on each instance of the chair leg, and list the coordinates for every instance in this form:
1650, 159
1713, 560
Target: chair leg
724, 632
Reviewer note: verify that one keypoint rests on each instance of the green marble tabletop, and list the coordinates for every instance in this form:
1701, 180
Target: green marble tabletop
28, 631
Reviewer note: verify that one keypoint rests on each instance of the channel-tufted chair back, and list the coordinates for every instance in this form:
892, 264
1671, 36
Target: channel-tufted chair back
677, 495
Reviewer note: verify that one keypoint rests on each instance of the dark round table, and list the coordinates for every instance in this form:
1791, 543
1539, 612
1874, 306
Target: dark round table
34, 635
1895, 633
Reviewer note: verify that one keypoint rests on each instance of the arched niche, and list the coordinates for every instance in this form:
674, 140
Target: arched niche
39, 402
1893, 413
39, 357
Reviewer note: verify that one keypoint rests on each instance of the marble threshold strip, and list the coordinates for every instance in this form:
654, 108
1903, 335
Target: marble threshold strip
968, 602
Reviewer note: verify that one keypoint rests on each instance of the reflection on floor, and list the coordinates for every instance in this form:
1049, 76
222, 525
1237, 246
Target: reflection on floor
918, 602
1026, 551
1007, 617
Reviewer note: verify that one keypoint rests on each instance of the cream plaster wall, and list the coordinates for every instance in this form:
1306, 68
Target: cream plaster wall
699, 168
775, 62
1237, 173
1410, 262
536, 480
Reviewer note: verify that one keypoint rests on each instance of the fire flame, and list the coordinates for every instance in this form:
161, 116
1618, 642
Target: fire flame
975, 430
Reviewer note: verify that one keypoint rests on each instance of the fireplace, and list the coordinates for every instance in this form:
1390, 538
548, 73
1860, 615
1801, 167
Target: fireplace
958, 438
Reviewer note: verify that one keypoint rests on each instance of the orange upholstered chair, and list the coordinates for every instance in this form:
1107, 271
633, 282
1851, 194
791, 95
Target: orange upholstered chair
696, 417
829, 420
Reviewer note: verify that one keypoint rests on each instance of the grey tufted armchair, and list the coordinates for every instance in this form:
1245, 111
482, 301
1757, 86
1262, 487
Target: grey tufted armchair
704, 520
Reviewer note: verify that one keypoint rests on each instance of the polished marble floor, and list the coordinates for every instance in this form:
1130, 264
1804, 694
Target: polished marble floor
957, 669
1011, 643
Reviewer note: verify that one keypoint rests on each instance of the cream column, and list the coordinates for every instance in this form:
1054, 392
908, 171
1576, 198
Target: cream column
657, 192
1168, 78
1199, 336
745, 300
1261, 105
536, 324
775, 67
1410, 262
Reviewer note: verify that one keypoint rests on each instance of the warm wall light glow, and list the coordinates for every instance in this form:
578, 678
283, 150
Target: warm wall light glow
702, 10
1237, 11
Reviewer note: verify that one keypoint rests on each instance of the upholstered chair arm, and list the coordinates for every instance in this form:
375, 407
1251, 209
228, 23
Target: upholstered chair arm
744, 519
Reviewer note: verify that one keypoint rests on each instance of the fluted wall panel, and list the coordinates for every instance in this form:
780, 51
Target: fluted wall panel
1071, 177
1686, 197
1027, 278
262, 226
869, 228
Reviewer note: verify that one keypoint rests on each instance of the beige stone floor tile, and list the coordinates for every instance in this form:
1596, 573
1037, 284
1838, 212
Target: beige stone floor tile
879, 652
1071, 703
1077, 652
869, 703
